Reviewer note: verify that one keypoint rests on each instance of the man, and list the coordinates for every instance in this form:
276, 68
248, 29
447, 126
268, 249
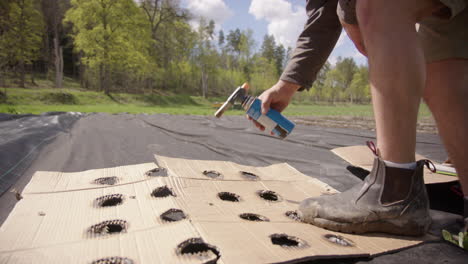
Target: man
406, 64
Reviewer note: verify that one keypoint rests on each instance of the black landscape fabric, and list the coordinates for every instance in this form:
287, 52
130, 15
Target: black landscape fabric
71, 142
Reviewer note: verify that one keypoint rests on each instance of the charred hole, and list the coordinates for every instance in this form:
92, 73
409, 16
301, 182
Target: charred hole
213, 174
254, 217
293, 215
107, 180
270, 196
162, 192
338, 240
157, 172
249, 176
196, 246
284, 240
173, 215
113, 260
230, 197
109, 200
109, 227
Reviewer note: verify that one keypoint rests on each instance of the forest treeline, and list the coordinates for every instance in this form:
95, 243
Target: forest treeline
148, 46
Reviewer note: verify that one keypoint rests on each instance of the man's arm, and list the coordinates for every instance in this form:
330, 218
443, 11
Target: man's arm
315, 43
313, 47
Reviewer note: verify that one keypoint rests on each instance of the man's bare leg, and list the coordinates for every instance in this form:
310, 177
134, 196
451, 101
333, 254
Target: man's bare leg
391, 199
446, 93
397, 71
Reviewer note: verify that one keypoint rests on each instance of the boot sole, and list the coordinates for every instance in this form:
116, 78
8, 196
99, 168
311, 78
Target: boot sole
394, 227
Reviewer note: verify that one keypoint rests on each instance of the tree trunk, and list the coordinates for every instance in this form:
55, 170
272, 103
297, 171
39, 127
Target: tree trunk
22, 74
58, 51
33, 82
204, 80
105, 80
81, 71
101, 77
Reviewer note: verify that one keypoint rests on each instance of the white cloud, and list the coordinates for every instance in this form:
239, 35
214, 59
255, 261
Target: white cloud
216, 10
285, 22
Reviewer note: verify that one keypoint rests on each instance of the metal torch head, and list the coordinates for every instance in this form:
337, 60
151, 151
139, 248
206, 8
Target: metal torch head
238, 94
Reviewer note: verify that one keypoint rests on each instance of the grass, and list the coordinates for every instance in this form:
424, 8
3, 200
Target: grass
74, 99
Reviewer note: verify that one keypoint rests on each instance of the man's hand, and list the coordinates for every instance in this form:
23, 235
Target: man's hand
277, 97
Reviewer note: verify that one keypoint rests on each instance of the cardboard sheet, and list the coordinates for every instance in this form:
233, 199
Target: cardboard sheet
229, 171
58, 219
362, 157
48, 181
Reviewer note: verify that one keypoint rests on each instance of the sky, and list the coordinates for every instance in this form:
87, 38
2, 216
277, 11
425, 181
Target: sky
284, 19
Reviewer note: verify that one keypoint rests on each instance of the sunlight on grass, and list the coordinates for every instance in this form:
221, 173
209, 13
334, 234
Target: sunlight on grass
37, 101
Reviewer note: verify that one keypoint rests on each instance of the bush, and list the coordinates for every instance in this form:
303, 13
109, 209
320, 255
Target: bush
59, 98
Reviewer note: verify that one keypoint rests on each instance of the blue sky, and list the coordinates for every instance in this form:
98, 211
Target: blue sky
283, 19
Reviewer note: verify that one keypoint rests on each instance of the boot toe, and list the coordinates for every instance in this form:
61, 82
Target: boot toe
309, 209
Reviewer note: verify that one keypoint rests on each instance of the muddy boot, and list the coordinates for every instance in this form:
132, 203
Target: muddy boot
390, 200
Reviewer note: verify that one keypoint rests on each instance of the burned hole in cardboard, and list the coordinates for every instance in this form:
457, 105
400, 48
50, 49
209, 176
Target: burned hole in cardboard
162, 192
293, 215
109, 200
249, 176
270, 196
338, 240
173, 215
213, 174
107, 180
196, 246
113, 260
285, 240
254, 217
157, 172
109, 227
228, 196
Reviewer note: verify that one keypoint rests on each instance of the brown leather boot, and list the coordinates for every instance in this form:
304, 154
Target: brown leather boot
390, 200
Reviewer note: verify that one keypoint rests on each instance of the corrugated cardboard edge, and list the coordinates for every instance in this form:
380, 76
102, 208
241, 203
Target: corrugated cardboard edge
230, 170
362, 157
47, 181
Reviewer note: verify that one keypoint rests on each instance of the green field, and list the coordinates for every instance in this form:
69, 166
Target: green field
41, 99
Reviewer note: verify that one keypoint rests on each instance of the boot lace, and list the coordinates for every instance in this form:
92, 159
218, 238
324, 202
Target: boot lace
430, 165
427, 162
372, 147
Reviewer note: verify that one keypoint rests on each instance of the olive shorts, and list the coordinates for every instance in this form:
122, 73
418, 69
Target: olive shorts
443, 35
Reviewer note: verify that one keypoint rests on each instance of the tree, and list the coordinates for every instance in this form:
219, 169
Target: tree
280, 57
54, 12
21, 39
338, 80
263, 75
346, 68
359, 89
319, 84
112, 34
206, 54
4, 26
221, 38
233, 40
246, 46
268, 48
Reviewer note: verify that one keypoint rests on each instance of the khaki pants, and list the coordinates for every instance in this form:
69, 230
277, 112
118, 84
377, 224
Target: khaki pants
443, 35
